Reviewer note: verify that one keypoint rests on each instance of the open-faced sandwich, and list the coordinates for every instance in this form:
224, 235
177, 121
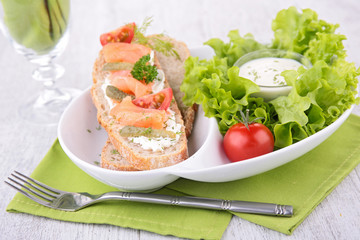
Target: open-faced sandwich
135, 79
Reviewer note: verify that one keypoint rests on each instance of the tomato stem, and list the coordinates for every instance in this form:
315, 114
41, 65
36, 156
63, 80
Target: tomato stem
245, 119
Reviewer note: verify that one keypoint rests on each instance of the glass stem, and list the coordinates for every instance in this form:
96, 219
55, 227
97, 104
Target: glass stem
47, 72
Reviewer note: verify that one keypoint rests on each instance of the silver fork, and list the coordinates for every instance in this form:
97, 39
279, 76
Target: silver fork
69, 201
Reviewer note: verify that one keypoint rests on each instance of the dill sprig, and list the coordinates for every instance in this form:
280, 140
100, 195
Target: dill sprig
144, 26
155, 42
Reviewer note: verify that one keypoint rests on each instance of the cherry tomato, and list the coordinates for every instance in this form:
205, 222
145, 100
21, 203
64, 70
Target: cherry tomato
122, 34
241, 143
160, 100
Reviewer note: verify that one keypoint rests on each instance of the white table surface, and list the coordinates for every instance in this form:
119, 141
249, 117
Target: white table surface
23, 145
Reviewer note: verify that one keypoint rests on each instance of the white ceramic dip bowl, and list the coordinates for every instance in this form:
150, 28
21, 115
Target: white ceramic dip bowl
264, 67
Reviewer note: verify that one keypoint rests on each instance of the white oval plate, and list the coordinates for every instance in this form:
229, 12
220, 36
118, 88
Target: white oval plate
82, 140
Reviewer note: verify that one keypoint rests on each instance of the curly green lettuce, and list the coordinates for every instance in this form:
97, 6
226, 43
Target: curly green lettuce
236, 47
320, 94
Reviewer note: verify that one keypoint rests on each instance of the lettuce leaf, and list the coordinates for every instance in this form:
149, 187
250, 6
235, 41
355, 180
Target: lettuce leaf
326, 47
292, 108
195, 71
320, 94
236, 47
294, 31
220, 91
286, 134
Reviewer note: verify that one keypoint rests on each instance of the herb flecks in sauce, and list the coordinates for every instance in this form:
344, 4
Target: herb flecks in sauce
267, 71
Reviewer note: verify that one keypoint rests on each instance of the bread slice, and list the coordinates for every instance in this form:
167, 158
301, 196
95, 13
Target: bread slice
137, 158
111, 159
174, 70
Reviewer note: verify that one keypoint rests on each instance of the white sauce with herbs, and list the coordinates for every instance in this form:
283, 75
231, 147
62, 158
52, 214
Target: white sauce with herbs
267, 71
160, 143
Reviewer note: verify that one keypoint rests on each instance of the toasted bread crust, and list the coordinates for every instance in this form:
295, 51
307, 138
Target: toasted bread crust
111, 159
175, 71
138, 158
147, 159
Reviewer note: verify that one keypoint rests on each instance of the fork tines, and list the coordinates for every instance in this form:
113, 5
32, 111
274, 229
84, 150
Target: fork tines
32, 188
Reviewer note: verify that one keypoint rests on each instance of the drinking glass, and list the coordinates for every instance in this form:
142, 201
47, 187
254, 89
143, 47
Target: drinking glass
39, 30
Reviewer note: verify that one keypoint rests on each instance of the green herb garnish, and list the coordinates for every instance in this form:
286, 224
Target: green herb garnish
147, 131
155, 42
114, 151
143, 71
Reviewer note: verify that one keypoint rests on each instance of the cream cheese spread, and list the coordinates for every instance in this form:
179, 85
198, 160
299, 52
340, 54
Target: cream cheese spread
103, 88
160, 143
159, 82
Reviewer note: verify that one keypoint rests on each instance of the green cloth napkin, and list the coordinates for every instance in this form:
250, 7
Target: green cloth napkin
58, 171
303, 183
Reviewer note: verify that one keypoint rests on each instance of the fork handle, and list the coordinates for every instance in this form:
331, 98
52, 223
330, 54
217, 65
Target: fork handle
207, 203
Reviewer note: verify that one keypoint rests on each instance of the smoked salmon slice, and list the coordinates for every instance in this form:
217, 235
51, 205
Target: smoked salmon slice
124, 52
128, 114
124, 81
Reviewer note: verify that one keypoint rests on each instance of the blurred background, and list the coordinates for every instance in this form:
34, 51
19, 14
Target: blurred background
193, 22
